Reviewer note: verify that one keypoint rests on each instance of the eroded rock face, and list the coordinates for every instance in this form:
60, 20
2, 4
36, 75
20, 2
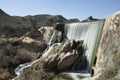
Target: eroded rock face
108, 54
46, 33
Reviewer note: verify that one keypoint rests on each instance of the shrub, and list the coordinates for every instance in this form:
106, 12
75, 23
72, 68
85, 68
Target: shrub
80, 47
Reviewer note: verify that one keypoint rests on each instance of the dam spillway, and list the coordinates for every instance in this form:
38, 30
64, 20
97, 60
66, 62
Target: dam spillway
90, 32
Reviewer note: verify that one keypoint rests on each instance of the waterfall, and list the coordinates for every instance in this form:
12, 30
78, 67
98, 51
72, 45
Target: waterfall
53, 38
90, 33
50, 47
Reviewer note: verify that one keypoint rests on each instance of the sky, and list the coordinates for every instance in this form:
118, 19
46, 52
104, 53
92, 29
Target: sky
68, 8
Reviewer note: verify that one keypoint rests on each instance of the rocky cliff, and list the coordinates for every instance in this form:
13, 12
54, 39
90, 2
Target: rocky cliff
108, 55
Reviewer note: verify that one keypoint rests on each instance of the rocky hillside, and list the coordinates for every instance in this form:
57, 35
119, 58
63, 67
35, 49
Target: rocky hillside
18, 35
15, 26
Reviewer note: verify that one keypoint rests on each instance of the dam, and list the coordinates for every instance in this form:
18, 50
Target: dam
90, 33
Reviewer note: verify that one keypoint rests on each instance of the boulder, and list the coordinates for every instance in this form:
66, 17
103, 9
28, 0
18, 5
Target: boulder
67, 60
59, 37
59, 27
61, 61
69, 45
63, 58
51, 61
46, 33
28, 40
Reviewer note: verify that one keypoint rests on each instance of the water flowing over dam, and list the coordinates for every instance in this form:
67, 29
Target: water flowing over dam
90, 33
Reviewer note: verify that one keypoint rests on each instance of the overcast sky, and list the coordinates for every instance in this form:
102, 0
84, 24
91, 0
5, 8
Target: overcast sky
68, 8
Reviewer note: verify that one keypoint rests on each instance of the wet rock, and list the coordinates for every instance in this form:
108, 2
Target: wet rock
60, 28
59, 37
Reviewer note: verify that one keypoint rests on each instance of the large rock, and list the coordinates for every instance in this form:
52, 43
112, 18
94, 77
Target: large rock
59, 27
61, 60
46, 33
59, 37
60, 31
51, 62
108, 55
28, 40
51, 59
64, 56
67, 59
69, 45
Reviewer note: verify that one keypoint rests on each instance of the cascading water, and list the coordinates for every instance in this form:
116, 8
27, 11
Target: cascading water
21, 67
53, 38
90, 33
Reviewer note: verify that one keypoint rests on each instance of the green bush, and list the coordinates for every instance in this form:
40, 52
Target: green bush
80, 47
